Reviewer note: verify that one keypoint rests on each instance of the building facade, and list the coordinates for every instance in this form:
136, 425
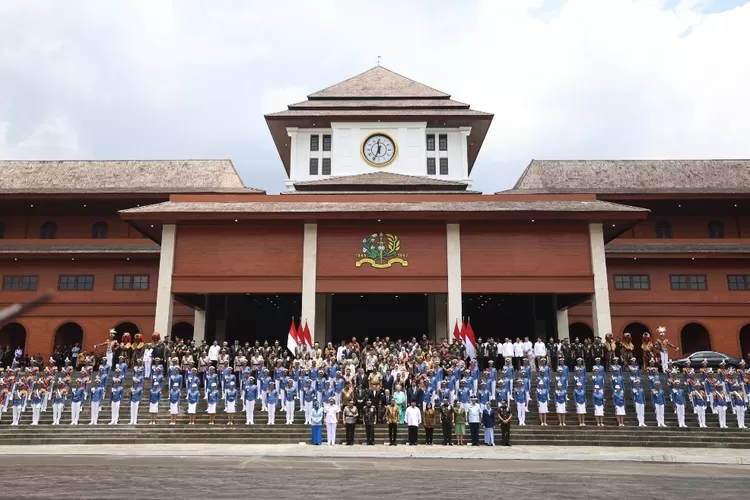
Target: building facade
378, 234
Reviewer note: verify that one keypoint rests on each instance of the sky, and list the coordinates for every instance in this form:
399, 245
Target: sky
190, 79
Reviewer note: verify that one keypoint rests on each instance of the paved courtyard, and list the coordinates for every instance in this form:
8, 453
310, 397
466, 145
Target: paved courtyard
105, 477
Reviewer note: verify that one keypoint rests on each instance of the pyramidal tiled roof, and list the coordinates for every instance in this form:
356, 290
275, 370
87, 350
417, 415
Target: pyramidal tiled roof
376, 181
379, 82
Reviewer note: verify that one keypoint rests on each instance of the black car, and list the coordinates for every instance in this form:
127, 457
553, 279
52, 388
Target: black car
714, 359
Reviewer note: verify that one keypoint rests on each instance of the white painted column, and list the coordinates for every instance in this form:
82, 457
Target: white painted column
563, 330
455, 315
164, 297
600, 300
199, 326
309, 278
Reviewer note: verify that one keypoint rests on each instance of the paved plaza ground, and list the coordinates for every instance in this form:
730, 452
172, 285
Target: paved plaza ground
215, 477
299, 471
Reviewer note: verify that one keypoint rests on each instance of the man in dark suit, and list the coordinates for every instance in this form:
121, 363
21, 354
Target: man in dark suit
375, 394
414, 393
388, 380
360, 380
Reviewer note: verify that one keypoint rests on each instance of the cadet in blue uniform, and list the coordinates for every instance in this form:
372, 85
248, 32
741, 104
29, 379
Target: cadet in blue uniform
699, 405
136, 396
521, 402
251, 395
657, 398
289, 394
37, 396
272, 398
561, 396
597, 397
193, 396
316, 424
542, 402
579, 397
154, 399
720, 402
678, 400
639, 400
174, 402
308, 396
213, 399
18, 397
618, 398
738, 401
76, 401
58, 401
115, 399
97, 398
230, 402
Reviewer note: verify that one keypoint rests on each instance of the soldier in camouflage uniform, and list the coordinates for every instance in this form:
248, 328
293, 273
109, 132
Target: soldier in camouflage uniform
504, 417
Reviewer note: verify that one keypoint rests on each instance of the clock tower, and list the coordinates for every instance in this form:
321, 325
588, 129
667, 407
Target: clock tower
378, 129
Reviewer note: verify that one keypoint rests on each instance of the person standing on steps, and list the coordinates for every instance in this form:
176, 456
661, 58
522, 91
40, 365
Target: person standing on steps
290, 393
504, 416
37, 396
272, 397
136, 396
412, 418
174, 403
193, 396
657, 398
618, 398
251, 395
699, 405
213, 400
446, 421
230, 402
542, 402
97, 397
579, 397
76, 402
474, 415
115, 399
154, 399
597, 398
639, 400
560, 401
370, 418
392, 415
351, 415
488, 420
429, 424
459, 420
332, 411
678, 400
316, 424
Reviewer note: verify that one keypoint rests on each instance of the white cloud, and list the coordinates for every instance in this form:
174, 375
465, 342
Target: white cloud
575, 79
47, 141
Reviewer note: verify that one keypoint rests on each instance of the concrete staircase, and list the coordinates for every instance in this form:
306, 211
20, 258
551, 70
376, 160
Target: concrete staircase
260, 433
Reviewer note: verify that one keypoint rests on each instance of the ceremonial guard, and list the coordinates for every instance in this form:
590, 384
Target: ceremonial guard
230, 402
17, 398
738, 401
115, 399
678, 400
136, 396
37, 396
657, 398
97, 397
639, 400
699, 406
59, 395
720, 402
4, 396
76, 401
521, 402
193, 396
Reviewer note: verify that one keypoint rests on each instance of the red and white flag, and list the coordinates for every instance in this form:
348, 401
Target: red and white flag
291, 340
457, 334
306, 337
470, 342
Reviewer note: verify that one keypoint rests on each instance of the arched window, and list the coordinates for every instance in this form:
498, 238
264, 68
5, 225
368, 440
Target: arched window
663, 229
48, 231
2, 230
100, 230
715, 229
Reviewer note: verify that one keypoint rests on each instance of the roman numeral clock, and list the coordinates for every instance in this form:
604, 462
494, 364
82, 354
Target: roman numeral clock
379, 149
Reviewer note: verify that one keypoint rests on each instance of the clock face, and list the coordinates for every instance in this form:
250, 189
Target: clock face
379, 150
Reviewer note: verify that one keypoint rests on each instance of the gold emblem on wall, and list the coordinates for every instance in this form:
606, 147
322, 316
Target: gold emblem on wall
381, 250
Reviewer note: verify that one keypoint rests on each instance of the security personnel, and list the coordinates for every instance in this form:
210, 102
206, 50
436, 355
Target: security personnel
97, 397
115, 399
446, 421
504, 416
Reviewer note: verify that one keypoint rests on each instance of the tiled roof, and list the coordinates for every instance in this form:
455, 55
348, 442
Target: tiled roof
380, 103
378, 82
676, 247
171, 207
119, 176
382, 191
635, 176
448, 112
381, 179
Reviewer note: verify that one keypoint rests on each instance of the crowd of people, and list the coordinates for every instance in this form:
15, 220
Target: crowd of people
413, 383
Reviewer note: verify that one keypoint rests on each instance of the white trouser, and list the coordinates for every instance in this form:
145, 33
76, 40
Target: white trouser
331, 432
271, 408
36, 411
17, 410
250, 412
109, 359
133, 413
57, 409
290, 411
147, 367
263, 401
75, 410
337, 398
493, 388
639, 412
701, 412
115, 412
722, 416
308, 411
680, 410
659, 415
95, 412
45, 400
664, 360
740, 417
521, 408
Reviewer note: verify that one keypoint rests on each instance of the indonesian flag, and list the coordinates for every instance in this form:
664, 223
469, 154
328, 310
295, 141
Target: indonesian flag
469, 341
306, 337
292, 340
457, 334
